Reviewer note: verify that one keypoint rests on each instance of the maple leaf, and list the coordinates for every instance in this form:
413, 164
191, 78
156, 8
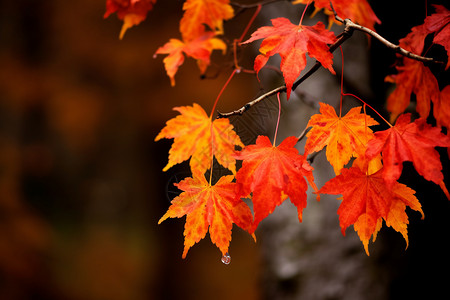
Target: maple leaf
412, 77
207, 206
344, 137
199, 13
196, 135
366, 200
292, 42
200, 49
359, 11
132, 12
413, 142
272, 174
439, 23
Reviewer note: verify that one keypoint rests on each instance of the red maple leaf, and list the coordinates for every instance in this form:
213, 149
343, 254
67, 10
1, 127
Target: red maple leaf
412, 77
292, 42
367, 200
132, 12
272, 174
207, 206
439, 24
413, 142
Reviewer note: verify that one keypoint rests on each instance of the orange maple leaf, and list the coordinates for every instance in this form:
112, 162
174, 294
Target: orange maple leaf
200, 49
292, 42
196, 135
272, 174
439, 24
367, 200
132, 12
344, 137
359, 11
199, 13
413, 142
207, 206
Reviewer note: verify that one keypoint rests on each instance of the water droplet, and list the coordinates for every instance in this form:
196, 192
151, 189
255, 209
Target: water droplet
226, 259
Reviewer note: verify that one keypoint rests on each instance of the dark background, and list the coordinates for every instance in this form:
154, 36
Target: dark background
81, 181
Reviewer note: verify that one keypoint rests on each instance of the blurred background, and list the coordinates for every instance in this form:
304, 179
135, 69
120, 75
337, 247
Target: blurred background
81, 181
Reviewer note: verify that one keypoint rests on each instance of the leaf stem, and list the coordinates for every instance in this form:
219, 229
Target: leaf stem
348, 94
258, 9
238, 41
342, 82
303, 14
221, 92
278, 120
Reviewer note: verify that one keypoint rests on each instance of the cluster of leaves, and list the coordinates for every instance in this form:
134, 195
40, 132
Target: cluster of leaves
367, 164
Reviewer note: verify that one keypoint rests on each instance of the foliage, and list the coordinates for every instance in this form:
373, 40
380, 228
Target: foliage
269, 173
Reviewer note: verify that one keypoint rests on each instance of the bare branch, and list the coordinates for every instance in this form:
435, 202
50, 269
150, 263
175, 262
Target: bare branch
249, 105
349, 24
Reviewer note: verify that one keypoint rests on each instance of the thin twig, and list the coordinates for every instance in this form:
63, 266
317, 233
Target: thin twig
249, 105
256, 4
302, 135
349, 24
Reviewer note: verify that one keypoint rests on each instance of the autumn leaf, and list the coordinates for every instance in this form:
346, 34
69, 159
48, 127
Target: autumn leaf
414, 41
272, 174
197, 137
397, 217
366, 200
414, 142
199, 49
292, 42
359, 11
439, 24
207, 206
132, 12
413, 77
199, 13
344, 137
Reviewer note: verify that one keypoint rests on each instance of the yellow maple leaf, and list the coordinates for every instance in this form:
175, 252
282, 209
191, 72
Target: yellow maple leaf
199, 13
197, 137
344, 137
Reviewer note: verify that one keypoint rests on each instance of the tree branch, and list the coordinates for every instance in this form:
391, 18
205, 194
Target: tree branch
346, 34
349, 24
341, 39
